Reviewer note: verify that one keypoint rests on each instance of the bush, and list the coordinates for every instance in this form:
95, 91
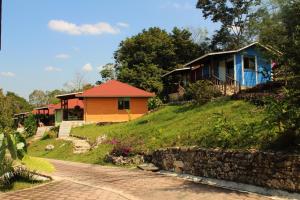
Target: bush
49, 135
123, 148
30, 125
202, 92
154, 103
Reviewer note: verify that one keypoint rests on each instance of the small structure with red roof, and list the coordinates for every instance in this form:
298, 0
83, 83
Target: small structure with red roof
114, 101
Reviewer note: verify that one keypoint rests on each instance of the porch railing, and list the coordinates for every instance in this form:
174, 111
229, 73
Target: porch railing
228, 86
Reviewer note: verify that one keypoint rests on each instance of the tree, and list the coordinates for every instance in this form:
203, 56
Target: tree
19, 104
108, 72
51, 96
6, 111
184, 47
280, 27
235, 16
143, 58
38, 98
76, 85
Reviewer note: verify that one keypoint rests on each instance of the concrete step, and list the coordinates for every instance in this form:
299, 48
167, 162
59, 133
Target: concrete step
79, 145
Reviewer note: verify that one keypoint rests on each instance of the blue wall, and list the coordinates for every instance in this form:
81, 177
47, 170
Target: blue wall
263, 68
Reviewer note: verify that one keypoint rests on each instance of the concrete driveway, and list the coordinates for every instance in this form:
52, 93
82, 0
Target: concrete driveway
85, 181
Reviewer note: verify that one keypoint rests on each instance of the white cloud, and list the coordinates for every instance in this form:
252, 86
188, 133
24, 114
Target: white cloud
7, 74
62, 56
87, 67
179, 6
52, 69
84, 29
123, 24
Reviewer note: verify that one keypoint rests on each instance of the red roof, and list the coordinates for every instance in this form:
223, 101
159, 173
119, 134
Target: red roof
115, 88
72, 103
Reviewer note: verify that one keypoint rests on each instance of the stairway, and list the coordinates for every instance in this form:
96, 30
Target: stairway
66, 126
41, 131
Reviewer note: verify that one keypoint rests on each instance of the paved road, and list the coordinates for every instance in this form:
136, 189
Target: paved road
90, 182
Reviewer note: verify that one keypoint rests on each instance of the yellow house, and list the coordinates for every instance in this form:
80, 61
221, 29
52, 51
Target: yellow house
114, 101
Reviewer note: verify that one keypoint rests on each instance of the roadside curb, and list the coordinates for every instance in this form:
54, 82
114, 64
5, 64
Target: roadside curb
241, 187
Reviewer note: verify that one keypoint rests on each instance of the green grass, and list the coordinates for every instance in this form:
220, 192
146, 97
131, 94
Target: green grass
37, 164
186, 125
63, 150
22, 184
223, 124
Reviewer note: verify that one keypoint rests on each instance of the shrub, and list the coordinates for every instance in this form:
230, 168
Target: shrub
121, 148
202, 92
30, 125
154, 103
49, 135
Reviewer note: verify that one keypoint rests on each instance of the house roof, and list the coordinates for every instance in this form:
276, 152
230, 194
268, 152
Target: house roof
68, 95
185, 66
176, 70
114, 88
72, 103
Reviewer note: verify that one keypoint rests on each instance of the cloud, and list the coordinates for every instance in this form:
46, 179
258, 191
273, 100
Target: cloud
7, 74
87, 67
52, 69
84, 29
62, 56
179, 6
123, 24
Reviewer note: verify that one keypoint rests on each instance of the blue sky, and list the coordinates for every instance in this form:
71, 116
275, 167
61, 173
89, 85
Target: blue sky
46, 42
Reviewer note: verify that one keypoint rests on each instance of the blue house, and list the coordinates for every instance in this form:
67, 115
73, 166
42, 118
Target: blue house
229, 70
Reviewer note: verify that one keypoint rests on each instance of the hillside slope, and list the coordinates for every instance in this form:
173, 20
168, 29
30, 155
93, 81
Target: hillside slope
223, 123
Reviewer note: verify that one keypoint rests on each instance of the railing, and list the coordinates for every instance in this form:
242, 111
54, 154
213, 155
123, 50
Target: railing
228, 86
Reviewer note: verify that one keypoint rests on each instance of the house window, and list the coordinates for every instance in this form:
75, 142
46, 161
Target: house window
249, 62
123, 103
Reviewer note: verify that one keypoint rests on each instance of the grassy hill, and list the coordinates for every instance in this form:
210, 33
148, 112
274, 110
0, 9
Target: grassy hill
223, 123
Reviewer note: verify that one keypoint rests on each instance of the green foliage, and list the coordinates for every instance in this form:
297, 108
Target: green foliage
49, 135
14, 175
108, 72
284, 113
38, 98
202, 92
6, 111
236, 18
19, 104
154, 103
143, 58
37, 164
30, 125
187, 125
280, 27
64, 151
12, 142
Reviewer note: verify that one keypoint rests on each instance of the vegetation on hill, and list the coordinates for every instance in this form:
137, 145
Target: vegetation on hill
222, 123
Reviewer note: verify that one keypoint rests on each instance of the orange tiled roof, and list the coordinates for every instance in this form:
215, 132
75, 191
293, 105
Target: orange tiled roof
115, 88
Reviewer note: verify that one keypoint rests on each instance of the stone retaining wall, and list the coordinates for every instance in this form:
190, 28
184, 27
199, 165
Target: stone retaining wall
272, 170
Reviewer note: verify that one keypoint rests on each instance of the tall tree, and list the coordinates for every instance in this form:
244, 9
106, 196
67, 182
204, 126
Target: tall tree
76, 85
108, 72
6, 111
38, 98
143, 58
19, 104
235, 16
280, 27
